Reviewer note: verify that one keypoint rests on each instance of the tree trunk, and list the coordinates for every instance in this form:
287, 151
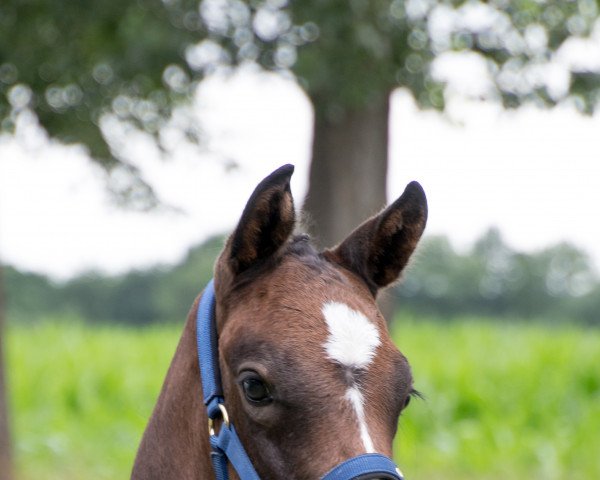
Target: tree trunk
5, 453
348, 171
348, 175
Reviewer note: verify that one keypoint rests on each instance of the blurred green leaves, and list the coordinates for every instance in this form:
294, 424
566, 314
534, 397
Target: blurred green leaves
556, 284
137, 297
74, 62
82, 395
501, 401
491, 279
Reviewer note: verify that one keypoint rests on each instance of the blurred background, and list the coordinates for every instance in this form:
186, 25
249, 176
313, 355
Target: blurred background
132, 134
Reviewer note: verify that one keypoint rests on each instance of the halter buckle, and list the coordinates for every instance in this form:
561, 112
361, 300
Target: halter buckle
224, 416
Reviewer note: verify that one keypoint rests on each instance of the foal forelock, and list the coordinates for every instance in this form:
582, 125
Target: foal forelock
352, 344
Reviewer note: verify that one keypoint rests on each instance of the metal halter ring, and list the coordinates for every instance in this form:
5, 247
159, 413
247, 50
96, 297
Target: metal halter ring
224, 415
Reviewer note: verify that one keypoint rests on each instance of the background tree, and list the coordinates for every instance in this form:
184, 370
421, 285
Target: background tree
81, 66
349, 56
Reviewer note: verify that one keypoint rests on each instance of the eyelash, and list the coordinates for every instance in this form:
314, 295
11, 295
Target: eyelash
412, 394
416, 394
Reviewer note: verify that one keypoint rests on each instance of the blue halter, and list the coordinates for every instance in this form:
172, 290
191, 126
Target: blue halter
226, 445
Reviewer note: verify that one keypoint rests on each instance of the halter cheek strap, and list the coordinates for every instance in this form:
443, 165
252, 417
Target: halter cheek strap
208, 354
226, 445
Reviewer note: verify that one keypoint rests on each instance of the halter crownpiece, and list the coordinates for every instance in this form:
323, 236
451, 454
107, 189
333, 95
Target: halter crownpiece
226, 445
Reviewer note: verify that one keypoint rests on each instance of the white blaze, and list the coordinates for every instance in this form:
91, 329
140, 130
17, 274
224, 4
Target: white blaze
357, 400
352, 337
352, 343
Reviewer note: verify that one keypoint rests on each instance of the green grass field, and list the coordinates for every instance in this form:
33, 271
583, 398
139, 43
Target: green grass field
502, 400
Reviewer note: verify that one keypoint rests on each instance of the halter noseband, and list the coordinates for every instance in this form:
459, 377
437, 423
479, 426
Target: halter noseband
226, 445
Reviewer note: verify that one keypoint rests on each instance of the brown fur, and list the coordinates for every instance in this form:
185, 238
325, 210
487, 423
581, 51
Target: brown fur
270, 290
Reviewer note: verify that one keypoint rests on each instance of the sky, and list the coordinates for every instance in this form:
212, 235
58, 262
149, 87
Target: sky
533, 173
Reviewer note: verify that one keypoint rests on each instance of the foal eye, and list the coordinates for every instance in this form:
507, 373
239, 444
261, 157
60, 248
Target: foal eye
256, 390
406, 402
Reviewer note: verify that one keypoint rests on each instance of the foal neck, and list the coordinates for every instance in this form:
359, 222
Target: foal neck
175, 443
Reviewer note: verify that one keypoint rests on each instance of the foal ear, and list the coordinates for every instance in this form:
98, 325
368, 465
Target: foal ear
379, 249
266, 223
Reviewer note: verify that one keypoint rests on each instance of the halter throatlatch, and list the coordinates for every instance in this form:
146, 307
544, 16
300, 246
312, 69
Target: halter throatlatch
226, 445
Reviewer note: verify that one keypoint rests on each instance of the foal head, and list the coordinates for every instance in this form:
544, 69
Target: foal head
310, 373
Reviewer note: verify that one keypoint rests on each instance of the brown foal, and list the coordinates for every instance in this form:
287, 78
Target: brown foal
309, 372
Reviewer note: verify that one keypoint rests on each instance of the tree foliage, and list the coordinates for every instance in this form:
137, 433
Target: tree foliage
75, 63
160, 293
491, 279
346, 54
